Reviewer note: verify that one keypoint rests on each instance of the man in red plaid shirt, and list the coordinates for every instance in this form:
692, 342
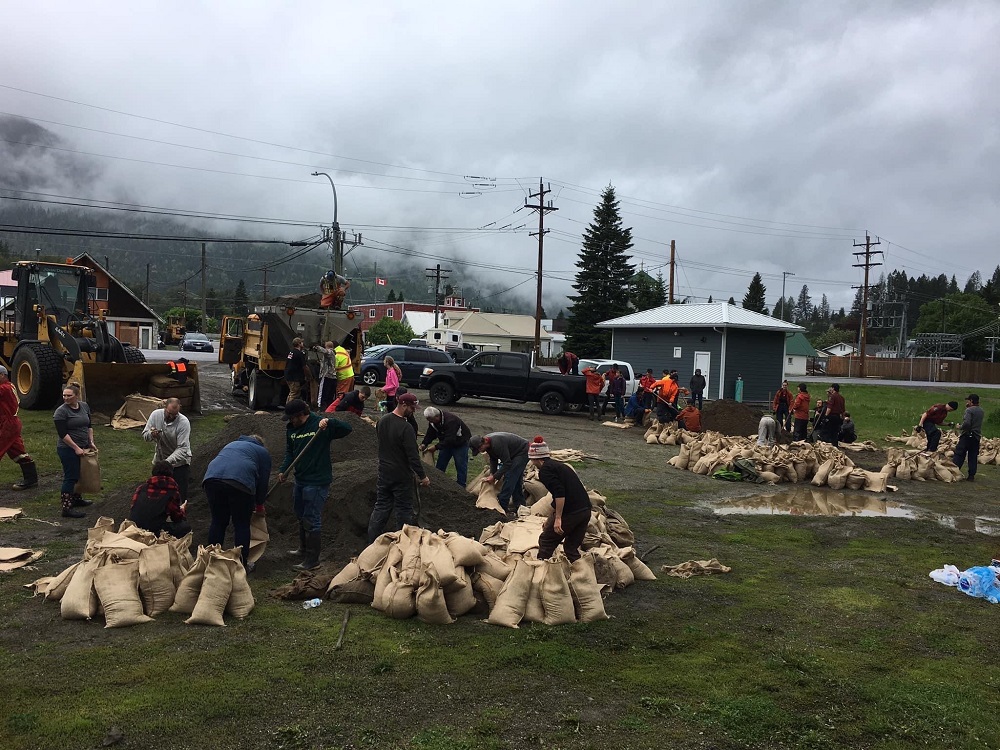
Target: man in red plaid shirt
158, 499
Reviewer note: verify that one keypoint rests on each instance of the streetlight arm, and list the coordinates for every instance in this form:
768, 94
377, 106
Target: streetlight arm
324, 174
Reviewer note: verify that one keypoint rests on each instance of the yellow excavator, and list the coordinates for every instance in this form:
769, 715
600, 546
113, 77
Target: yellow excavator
49, 336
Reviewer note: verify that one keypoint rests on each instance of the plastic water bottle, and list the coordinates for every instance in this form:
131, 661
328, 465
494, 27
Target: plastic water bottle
311, 603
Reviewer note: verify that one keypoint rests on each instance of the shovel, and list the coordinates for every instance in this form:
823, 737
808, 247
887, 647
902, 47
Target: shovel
294, 461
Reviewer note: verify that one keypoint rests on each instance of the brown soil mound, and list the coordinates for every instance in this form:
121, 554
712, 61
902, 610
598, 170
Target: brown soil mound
730, 418
443, 505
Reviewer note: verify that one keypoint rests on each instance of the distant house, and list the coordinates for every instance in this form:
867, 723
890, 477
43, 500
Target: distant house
130, 320
839, 350
553, 346
798, 352
724, 341
8, 287
372, 312
513, 333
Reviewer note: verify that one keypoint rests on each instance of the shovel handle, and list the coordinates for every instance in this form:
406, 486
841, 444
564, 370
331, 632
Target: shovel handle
294, 461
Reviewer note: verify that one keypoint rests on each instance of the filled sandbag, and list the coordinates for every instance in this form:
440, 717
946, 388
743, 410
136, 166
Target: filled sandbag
639, 569
837, 479
459, 597
80, 602
585, 590
56, 587
488, 586
465, 551
190, 586
371, 558
876, 481
611, 571
856, 479
392, 562
769, 477
542, 507
117, 587
90, 473
216, 589
241, 602
534, 489
557, 600
123, 546
513, 597
435, 552
430, 601
495, 566
399, 597
350, 572
156, 579
533, 609
618, 528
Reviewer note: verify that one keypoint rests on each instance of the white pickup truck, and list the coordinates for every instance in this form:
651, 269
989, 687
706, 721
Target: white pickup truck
603, 365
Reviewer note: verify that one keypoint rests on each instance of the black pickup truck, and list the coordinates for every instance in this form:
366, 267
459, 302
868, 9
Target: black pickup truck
507, 376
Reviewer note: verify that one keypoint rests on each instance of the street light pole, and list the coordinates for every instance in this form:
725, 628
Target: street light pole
338, 256
784, 275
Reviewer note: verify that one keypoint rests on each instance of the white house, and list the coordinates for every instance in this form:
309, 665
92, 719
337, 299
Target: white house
512, 333
839, 350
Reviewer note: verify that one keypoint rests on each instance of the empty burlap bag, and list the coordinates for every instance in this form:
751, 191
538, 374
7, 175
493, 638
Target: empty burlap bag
460, 597
513, 597
57, 586
430, 601
156, 579
371, 558
117, 587
258, 537
585, 590
522, 534
241, 601
487, 499
695, 568
488, 586
90, 473
80, 602
597, 500
190, 586
639, 569
399, 597
465, 551
495, 566
216, 589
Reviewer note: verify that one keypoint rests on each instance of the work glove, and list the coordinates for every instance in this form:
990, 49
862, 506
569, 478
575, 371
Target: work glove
259, 509
918, 428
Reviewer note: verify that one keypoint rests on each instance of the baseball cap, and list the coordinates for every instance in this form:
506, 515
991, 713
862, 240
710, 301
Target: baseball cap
295, 407
407, 398
475, 443
974, 398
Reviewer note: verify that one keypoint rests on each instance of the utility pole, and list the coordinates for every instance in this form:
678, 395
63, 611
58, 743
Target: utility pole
673, 251
435, 273
867, 265
265, 285
204, 294
784, 275
542, 209
147, 283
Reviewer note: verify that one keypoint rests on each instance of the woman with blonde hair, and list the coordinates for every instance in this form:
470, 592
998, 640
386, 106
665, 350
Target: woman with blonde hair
76, 436
392, 377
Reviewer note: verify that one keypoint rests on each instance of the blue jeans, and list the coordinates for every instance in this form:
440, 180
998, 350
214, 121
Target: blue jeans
391, 494
513, 483
71, 467
307, 502
461, 456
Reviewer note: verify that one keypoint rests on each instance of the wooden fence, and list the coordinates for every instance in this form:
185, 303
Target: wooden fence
931, 370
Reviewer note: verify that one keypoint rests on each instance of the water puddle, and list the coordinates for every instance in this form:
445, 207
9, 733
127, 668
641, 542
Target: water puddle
815, 501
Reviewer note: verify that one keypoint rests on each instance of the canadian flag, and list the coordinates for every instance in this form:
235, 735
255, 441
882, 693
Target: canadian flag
379, 282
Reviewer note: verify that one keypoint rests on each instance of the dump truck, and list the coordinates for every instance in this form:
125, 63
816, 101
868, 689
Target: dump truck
256, 346
50, 336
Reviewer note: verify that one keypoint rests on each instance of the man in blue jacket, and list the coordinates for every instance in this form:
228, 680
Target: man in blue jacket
307, 445
235, 482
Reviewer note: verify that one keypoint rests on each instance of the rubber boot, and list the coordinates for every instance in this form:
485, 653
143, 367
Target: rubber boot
302, 543
314, 543
29, 471
79, 502
67, 506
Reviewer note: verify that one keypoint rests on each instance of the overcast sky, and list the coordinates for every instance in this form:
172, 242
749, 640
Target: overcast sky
761, 136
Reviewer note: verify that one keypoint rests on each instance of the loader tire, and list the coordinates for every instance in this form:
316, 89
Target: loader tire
260, 392
37, 376
134, 356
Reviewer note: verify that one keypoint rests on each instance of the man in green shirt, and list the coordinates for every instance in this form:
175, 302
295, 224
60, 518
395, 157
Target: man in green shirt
307, 444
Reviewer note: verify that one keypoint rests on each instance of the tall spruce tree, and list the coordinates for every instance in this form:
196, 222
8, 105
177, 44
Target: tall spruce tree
601, 281
755, 298
241, 302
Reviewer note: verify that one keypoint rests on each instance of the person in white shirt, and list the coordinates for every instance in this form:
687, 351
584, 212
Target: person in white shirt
171, 431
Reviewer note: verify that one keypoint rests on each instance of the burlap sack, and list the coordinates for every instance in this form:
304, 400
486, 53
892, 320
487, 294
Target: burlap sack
585, 590
534, 489
557, 600
889, 469
875, 482
904, 469
90, 473
639, 569
412, 566
618, 529
96, 533
58, 585
533, 609
123, 546
667, 438
182, 547
117, 587
350, 572
495, 566
488, 586
216, 589
435, 552
79, 601
430, 601
522, 534
837, 479
651, 439
684, 457
677, 463
465, 551
190, 586
132, 530
597, 500
258, 537
358, 591
856, 479
925, 466
156, 579
705, 463
513, 597
542, 507
610, 569
393, 561
801, 470
241, 600
460, 597
769, 477
371, 558
399, 597
487, 499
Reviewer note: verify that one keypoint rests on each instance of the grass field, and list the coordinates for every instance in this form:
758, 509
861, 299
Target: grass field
827, 634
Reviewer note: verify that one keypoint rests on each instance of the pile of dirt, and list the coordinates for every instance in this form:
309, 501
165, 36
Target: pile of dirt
443, 505
730, 418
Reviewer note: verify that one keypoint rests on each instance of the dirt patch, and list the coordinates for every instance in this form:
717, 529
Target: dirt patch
443, 505
730, 418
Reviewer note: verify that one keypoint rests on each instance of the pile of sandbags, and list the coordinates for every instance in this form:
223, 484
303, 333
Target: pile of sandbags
921, 466
989, 448
131, 576
487, 492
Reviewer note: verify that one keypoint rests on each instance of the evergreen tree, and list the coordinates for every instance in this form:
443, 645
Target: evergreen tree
604, 273
991, 289
974, 284
803, 305
824, 309
756, 297
647, 292
241, 303
732, 301
710, 299
953, 285
391, 296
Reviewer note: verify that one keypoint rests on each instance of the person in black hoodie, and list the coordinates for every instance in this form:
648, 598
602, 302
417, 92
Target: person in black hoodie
697, 385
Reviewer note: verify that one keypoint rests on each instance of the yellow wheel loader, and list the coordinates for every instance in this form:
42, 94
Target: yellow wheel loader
49, 337
256, 347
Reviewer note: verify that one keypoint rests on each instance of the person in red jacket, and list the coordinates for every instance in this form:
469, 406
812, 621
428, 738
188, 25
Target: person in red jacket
690, 417
569, 363
11, 442
800, 410
595, 384
782, 405
931, 420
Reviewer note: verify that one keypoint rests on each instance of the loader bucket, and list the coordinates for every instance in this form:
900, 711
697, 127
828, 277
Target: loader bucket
105, 385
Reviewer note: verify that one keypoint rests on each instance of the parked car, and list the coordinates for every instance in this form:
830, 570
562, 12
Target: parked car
196, 342
411, 360
418, 342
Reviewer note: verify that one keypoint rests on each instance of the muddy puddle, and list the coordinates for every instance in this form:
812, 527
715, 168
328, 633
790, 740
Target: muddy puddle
813, 501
